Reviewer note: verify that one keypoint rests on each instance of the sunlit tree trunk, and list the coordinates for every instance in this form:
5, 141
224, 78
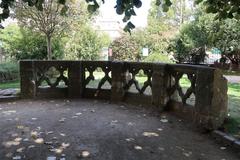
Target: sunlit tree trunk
49, 47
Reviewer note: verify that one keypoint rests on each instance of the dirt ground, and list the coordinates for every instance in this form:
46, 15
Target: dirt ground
97, 130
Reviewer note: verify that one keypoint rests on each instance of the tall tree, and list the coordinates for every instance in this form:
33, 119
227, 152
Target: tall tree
206, 31
51, 19
23, 43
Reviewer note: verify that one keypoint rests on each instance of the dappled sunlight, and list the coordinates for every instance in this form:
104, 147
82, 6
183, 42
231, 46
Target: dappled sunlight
9, 112
150, 134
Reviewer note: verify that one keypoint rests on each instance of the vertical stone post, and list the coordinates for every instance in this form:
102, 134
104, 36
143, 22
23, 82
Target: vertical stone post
160, 83
118, 81
27, 79
211, 98
75, 79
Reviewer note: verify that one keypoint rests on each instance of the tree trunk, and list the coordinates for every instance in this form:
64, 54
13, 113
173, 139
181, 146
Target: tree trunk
49, 47
182, 9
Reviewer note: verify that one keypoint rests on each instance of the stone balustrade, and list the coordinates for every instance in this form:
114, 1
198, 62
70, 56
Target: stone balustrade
198, 91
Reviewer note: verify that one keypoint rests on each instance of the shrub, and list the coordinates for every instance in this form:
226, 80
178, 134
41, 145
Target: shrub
158, 57
9, 72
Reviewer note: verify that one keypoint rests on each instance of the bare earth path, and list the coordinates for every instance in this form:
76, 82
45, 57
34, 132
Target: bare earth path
102, 130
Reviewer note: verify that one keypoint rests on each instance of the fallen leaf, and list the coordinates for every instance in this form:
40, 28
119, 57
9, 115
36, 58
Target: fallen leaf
51, 158
54, 138
186, 154
34, 134
122, 106
18, 139
8, 144
31, 146
62, 134
62, 120
223, 148
138, 147
50, 132
150, 134
161, 148
85, 154
39, 141
65, 145
9, 155
20, 150
164, 120
130, 139
130, 124
16, 157
59, 150
20, 127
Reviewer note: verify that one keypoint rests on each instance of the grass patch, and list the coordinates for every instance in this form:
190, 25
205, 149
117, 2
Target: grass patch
14, 84
233, 124
231, 73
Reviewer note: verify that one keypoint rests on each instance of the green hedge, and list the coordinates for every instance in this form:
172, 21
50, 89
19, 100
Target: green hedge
9, 72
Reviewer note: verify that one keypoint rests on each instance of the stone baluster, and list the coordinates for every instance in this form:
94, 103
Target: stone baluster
211, 98
27, 78
75, 79
160, 84
118, 81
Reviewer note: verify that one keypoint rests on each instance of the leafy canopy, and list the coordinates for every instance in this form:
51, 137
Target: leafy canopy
222, 8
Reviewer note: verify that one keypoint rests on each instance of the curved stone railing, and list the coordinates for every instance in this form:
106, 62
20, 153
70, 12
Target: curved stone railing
198, 91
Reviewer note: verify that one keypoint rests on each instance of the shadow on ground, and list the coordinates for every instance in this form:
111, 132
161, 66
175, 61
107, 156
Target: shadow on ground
97, 130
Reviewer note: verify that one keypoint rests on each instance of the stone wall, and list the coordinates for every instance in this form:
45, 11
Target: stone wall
199, 92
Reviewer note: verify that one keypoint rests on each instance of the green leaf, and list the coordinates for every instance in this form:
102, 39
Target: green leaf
127, 29
158, 2
165, 7
132, 12
64, 10
130, 25
198, 1
168, 3
126, 18
91, 8
62, 1
39, 5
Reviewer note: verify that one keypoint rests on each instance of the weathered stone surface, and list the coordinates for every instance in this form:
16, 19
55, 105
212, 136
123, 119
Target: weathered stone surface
236, 145
160, 84
119, 78
8, 92
207, 85
218, 135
